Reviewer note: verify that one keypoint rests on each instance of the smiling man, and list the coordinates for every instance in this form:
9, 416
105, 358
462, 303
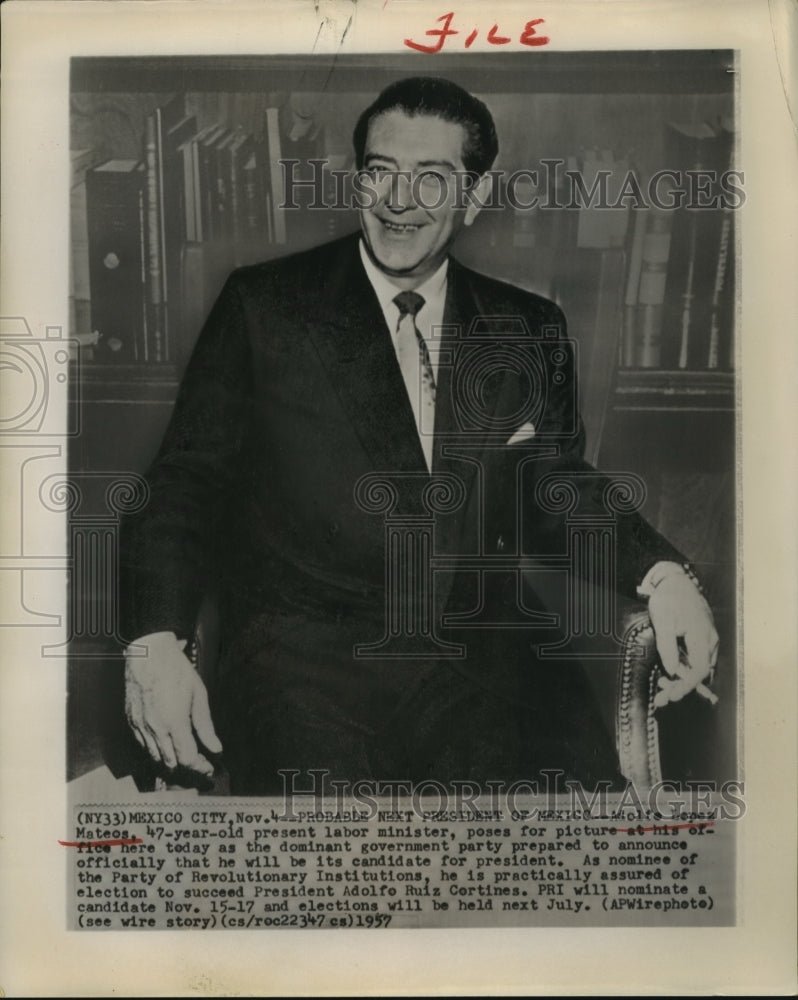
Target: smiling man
338, 650
415, 218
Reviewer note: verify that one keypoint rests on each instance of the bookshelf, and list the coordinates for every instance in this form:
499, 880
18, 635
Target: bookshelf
670, 417
579, 103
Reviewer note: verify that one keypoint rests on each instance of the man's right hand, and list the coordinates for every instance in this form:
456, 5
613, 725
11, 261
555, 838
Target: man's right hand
166, 704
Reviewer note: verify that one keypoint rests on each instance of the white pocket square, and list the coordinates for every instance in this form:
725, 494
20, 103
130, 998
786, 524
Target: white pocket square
524, 433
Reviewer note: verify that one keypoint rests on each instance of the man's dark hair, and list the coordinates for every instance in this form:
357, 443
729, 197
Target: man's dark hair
429, 95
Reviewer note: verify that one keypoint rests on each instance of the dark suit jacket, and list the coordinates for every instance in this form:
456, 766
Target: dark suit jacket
292, 395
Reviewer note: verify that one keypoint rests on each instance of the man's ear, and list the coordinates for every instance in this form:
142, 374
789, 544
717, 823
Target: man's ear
477, 197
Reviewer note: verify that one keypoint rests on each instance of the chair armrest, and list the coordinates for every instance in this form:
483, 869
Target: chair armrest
636, 730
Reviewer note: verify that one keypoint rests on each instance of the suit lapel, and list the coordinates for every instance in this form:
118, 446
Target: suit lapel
355, 346
452, 430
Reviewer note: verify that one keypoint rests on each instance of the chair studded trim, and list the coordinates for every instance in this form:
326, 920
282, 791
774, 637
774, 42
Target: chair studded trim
637, 733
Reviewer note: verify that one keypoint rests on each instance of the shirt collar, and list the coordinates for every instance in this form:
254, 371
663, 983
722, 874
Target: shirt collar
433, 290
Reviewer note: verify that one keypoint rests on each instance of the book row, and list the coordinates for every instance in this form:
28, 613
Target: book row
154, 236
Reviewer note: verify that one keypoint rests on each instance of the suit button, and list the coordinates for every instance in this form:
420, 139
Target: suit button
500, 544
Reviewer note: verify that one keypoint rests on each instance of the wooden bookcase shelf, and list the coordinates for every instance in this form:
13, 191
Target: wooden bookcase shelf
129, 381
652, 389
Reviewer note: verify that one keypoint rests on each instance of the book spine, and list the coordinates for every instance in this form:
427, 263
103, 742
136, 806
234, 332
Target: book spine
244, 198
253, 204
720, 292
199, 232
155, 263
79, 282
630, 303
208, 191
272, 132
193, 285
160, 130
263, 181
189, 227
651, 292
269, 217
221, 202
117, 264
173, 199
141, 343
688, 294
235, 203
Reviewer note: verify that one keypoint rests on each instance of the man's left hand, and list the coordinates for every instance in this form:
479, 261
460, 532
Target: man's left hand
678, 610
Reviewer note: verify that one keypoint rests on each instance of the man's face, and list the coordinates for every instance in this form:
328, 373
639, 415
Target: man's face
407, 235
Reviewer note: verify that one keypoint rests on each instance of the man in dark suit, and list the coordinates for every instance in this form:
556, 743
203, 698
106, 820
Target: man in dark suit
338, 402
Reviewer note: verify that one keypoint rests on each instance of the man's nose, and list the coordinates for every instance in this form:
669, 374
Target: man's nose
400, 193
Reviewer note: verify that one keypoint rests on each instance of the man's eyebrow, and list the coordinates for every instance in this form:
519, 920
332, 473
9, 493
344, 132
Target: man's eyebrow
420, 163
379, 156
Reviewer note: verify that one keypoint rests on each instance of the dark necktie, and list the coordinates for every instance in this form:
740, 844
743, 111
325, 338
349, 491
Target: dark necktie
414, 361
